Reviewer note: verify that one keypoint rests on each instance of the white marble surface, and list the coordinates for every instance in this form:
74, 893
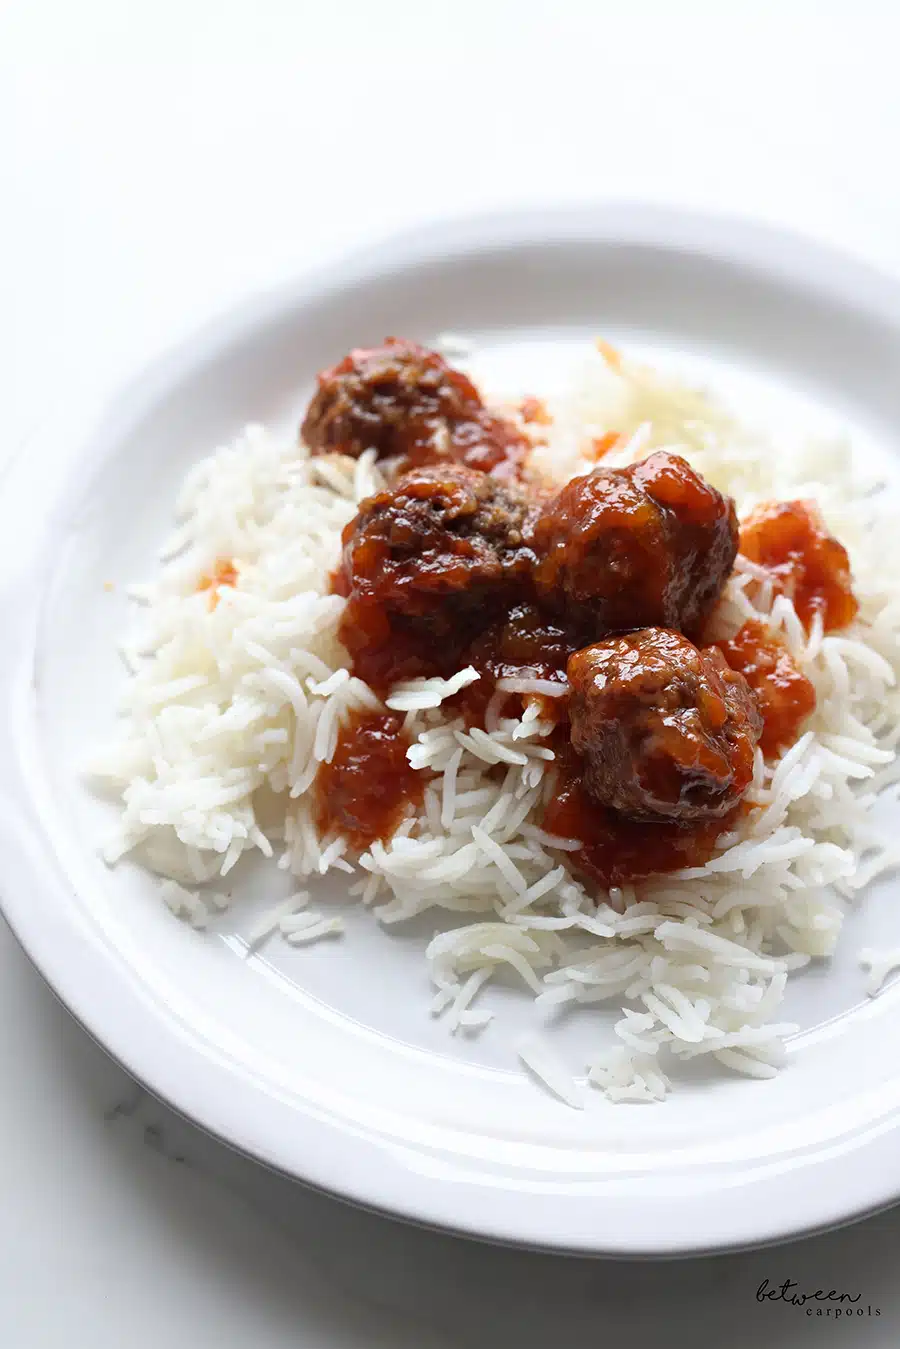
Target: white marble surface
160, 161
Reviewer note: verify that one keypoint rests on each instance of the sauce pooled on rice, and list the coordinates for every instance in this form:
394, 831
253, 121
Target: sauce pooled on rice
369, 786
789, 539
785, 696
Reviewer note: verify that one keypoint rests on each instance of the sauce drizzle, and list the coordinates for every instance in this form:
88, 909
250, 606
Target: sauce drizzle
224, 573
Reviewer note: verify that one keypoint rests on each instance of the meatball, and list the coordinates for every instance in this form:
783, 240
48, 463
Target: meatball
665, 731
406, 402
648, 545
438, 555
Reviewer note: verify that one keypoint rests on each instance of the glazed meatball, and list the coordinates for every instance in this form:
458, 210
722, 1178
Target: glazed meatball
440, 553
406, 402
648, 545
665, 731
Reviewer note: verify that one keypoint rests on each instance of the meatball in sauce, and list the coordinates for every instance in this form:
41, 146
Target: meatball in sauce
643, 546
427, 564
657, 759
407, 403
665, 731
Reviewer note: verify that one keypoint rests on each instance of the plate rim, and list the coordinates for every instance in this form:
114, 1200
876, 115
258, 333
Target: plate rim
181, 1073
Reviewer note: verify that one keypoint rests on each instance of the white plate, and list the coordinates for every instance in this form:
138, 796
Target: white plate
323, 1062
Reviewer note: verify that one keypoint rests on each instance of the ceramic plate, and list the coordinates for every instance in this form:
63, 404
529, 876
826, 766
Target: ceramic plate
323, 1062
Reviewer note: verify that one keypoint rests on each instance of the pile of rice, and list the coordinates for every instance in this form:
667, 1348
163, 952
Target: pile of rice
230, 708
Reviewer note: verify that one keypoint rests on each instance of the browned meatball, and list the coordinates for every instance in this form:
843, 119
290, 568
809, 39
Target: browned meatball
406, 402
666, 732
435, 557
647, 545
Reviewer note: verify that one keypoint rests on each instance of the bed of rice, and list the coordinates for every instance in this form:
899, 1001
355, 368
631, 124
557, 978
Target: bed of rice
230, 709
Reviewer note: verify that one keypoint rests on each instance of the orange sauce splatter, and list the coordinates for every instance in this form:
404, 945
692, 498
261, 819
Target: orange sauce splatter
224, 573
601, 445
535, 410
610, 354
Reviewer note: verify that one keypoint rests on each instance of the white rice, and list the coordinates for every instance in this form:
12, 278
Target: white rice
232, 707
542, 1059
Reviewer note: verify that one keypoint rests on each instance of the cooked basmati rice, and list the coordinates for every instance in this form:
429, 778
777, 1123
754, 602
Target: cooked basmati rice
232, 703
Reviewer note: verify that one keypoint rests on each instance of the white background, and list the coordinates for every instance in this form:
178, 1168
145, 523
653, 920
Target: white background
160, 160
